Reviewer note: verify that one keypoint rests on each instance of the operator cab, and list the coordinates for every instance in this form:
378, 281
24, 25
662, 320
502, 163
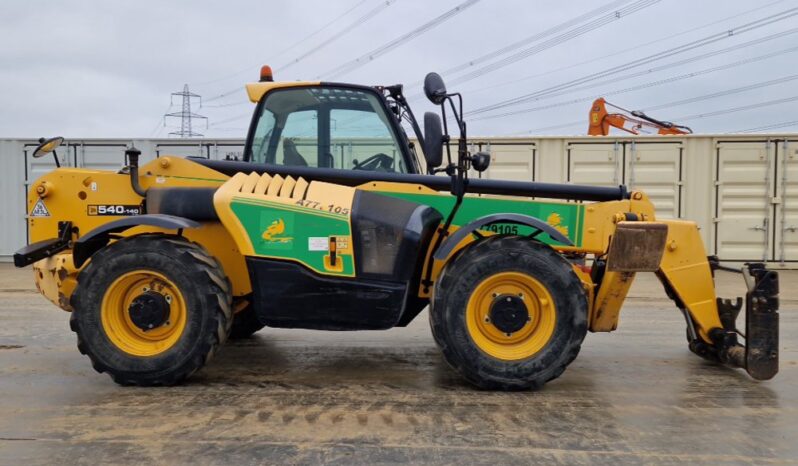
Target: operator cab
327, 125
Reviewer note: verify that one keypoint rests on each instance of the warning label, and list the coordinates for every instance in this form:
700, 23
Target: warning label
318, 243
40, 210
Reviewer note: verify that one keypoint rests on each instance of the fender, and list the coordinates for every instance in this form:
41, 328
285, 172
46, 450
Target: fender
517, 219
97, 238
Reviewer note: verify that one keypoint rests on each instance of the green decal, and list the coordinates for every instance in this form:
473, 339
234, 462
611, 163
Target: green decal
287, 231
565, 217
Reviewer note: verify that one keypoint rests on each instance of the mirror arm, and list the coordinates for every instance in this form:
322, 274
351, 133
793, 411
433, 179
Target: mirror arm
446, 134
55, 157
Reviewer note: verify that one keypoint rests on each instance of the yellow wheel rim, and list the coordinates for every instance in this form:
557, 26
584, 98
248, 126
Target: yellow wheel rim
529, 294
119, 326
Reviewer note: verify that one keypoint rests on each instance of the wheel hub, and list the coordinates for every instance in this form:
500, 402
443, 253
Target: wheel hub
508, 313
149, 310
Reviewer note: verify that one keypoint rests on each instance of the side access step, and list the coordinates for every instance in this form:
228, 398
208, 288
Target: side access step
43, 249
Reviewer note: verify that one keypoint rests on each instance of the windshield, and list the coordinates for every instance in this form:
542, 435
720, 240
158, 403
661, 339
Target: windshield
327, 127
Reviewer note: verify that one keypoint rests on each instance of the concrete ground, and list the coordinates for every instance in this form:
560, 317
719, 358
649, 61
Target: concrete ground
302, 397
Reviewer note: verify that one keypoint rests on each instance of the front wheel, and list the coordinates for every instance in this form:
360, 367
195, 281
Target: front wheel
509, 313
151, 309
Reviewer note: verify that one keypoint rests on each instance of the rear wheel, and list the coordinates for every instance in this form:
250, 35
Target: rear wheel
509, 313
151, 309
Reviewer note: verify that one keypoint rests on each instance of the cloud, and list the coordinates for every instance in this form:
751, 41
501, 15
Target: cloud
106, 69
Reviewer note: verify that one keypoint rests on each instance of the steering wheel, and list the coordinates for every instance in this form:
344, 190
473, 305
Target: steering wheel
375, 162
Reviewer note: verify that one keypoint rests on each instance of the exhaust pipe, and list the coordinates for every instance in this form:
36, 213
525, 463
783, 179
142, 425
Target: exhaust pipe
132, 155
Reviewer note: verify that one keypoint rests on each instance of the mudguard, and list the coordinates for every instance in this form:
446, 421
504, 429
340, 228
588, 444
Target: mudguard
89, 243
517, 219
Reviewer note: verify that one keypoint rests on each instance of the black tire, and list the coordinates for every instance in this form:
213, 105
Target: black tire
204, 289
245, 323
479, 261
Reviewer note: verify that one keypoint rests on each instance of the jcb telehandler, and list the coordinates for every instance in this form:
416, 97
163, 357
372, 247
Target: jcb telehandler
330, 222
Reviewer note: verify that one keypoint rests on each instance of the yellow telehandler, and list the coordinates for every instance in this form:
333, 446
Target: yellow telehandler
330, 222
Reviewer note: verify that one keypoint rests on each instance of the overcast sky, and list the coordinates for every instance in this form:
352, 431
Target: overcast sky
107, 68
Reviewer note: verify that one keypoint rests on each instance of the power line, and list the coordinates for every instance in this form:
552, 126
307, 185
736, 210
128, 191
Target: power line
531, 39
669, 37
233, 104
228, 120
295, 44
645, 60
783, 124
387, 47
725, 93
557, 40
161, 123
638, 87
534, 38
340, 33
743, 108
346, 29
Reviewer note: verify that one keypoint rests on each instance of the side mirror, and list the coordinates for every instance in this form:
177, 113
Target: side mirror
433, 140
480, 161
46, 146
434, 88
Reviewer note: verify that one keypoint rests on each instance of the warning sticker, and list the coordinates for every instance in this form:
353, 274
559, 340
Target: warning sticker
40, 210
318, 243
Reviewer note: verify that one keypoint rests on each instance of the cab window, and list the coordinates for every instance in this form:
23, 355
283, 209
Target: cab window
326, 127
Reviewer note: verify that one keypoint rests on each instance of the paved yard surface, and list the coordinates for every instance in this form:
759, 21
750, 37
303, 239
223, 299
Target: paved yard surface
302, 397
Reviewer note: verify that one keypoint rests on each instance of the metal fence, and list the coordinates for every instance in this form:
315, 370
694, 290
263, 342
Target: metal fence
741, 189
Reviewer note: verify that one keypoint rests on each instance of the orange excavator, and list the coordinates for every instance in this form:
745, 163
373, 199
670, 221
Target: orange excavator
629, 121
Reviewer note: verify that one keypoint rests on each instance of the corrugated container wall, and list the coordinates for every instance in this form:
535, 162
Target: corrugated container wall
742, 190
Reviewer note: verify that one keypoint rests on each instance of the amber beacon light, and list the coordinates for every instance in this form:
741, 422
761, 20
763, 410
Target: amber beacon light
266, 74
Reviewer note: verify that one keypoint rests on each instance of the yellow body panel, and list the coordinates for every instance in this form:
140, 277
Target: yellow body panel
387, 186
686, 268
256, 91
280, 190
56, 278
70, 194
589, 286
609, 300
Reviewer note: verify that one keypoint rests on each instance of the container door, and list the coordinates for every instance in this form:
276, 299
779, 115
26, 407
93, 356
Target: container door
595, 164
226, 151
656, 169
182, 150
100, 156
786, 238
743, 200
514, 162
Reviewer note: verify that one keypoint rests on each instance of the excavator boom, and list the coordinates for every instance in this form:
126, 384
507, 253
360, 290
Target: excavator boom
629, 121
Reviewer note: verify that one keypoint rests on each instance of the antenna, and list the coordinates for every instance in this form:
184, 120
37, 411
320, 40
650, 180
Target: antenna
185, 114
